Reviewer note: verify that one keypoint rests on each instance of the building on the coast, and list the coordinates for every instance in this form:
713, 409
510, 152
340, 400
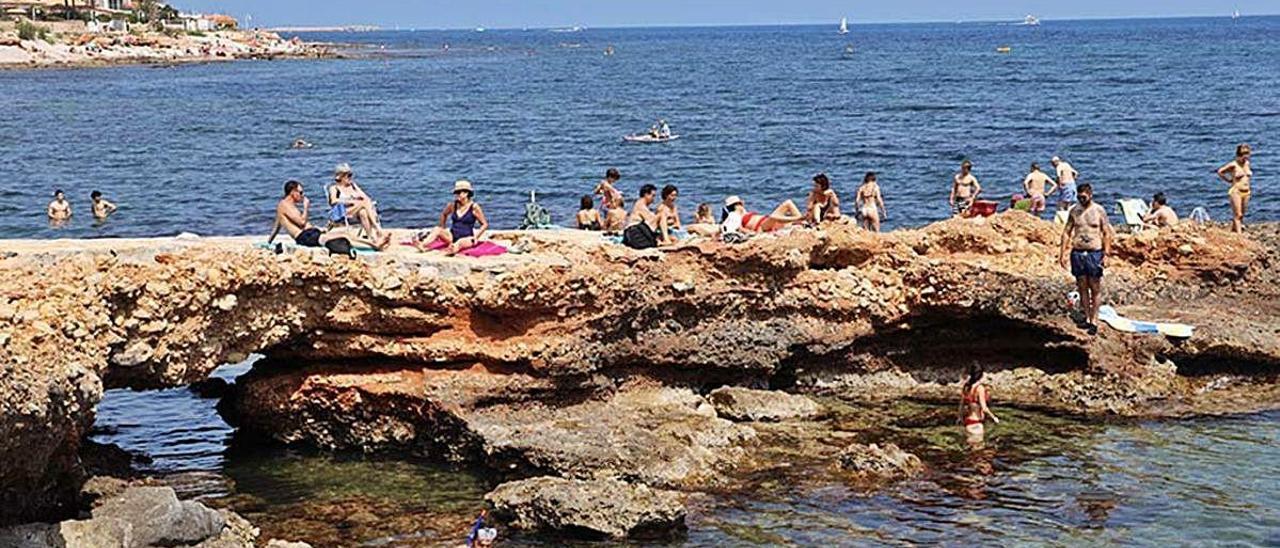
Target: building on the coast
42, 9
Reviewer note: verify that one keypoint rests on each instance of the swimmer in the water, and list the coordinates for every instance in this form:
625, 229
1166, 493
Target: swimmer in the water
301, 144
59, 210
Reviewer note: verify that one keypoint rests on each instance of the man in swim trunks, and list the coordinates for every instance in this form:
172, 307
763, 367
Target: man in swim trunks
642, 225
1088, 236
964, 189
293, 219
1038, 185
1067, 176
59, 209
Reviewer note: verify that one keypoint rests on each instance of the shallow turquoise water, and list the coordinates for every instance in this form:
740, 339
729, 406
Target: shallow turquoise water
1042, 481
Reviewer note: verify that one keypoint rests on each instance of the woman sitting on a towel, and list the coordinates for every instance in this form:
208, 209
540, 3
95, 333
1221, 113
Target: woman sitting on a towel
457, 230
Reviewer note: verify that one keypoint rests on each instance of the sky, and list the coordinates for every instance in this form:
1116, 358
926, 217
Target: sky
427, 14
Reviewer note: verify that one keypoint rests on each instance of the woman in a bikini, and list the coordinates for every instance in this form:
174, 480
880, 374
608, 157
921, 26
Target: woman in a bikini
783, 216
870, 203
973, 406
1239, 174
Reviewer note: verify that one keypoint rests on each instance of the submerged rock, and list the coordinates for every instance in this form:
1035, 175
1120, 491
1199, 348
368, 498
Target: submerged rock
875, 463
595, 509
743, 404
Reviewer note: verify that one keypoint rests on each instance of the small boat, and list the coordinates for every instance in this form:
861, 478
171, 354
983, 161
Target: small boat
844, 25
480, 29
648, 139
1031, 21
1004, 49
1235, 14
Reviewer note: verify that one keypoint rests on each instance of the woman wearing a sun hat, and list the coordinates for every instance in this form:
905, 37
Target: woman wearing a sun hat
462, 223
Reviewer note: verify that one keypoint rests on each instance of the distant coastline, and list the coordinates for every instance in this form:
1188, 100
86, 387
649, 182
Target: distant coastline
346, 28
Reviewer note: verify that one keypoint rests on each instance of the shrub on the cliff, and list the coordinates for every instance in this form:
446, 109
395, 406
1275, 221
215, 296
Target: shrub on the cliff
31, 31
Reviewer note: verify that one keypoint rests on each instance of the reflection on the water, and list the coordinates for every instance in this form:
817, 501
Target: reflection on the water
1037, 480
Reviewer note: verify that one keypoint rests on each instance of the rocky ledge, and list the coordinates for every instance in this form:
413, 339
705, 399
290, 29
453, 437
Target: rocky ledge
587, 361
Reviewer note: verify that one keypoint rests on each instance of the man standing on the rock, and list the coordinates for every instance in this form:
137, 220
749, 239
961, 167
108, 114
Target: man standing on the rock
1066, 183
1088, 237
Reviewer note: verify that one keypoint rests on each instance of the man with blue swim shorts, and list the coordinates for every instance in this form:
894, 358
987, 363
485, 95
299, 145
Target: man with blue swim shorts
1088, 237
1066, 183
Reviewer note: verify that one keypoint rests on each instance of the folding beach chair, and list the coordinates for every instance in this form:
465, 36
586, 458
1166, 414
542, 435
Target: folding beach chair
1133, 210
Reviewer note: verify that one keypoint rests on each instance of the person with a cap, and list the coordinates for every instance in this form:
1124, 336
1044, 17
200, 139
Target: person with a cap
462, 223
348, 201
964, 189
737, 219
1067, 176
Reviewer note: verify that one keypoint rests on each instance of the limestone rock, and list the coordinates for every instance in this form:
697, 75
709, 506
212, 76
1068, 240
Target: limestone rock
138, 517
744, 404
596, 509
875, 463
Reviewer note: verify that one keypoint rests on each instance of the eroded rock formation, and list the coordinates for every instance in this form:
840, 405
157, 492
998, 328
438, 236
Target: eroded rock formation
584, 359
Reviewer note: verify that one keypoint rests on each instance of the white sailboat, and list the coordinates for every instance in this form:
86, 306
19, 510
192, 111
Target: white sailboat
844, 25
1235, 14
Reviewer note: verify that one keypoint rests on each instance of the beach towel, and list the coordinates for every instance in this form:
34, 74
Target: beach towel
482, 249
1120, 323
288, 247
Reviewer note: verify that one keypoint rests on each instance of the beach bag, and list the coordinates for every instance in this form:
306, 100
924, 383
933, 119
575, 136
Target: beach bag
735, 238
535, 216
340, 246
639, 236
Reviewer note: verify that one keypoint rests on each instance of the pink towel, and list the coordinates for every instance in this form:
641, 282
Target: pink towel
482, 249
485, 249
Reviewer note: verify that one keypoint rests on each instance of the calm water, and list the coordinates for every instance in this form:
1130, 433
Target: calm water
1137, 106
1042, 481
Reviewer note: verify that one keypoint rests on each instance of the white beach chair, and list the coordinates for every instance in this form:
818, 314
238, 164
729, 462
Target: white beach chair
1133, 210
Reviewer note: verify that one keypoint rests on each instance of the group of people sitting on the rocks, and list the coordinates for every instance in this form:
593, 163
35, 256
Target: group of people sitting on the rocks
462, 223
654, 219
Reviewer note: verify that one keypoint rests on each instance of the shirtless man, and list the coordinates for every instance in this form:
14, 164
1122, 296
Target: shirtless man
59, 210
964, 189
1038, 185
1088, 237
1161, 215
291, 215
1067, 176
101, 207
642, 225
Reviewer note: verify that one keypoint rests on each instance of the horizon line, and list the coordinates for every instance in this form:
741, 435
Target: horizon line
779, 24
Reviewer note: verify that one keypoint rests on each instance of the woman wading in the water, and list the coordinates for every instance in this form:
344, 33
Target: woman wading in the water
973, 406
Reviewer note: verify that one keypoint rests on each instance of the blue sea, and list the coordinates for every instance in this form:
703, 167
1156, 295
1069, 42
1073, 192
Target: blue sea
1138, 106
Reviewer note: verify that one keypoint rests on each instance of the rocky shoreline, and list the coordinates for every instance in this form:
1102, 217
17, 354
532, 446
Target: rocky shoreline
71, 49
581, 363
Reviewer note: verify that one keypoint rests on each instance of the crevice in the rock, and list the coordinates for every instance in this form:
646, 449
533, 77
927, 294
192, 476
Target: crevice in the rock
1210, 364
